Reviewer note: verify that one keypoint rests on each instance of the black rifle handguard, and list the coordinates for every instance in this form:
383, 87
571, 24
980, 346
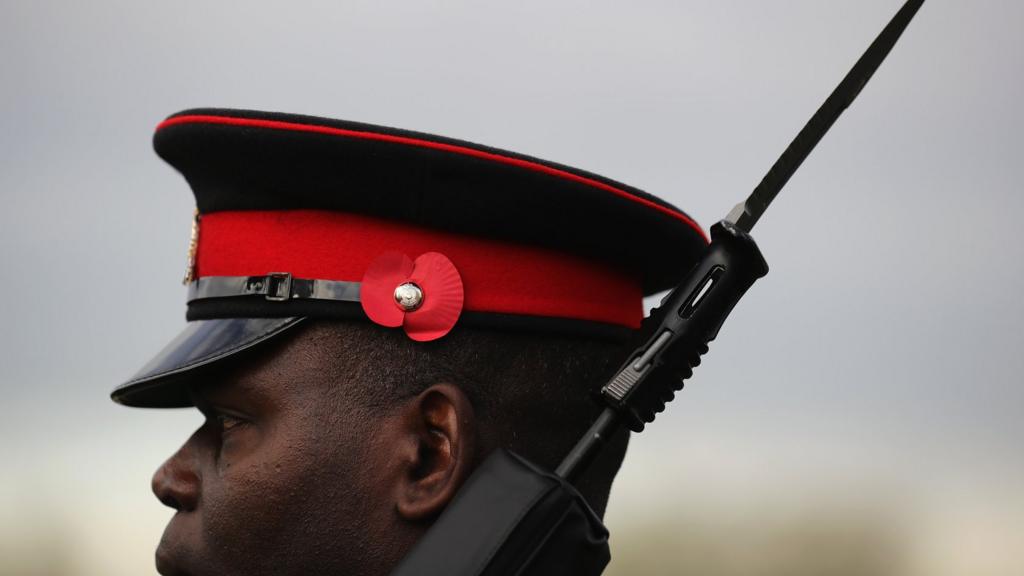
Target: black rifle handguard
679, 329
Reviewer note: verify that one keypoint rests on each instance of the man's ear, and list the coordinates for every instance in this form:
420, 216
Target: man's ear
441, 430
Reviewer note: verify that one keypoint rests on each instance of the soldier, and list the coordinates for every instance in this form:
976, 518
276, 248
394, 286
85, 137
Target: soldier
371, 312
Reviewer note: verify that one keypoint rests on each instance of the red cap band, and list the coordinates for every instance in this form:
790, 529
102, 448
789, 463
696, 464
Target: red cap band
499, 277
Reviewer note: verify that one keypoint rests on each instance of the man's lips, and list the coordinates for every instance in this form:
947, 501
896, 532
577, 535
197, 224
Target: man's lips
168, 565
168, 568
174, 555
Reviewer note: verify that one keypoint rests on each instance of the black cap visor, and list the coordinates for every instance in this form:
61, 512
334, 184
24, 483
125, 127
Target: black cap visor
163, 382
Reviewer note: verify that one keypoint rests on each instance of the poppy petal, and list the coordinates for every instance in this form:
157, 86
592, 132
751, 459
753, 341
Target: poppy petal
377, 292
443, 296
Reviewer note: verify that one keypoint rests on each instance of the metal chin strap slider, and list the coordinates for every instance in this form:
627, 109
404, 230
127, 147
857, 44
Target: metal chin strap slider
279, 286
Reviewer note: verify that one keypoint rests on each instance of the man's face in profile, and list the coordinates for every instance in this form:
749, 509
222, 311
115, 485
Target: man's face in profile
332, 449
279, 479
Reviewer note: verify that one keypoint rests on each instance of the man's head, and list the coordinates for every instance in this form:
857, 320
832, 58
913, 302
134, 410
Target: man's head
335, 448
372, 312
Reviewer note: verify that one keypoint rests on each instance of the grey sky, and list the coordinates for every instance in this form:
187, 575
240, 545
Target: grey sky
879, 360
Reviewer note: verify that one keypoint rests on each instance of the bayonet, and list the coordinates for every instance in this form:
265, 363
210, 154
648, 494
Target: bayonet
745, 214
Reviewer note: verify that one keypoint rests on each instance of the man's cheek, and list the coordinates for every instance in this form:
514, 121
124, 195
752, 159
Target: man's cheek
252, 498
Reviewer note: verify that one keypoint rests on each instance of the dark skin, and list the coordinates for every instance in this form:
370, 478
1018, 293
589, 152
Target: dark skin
290, 474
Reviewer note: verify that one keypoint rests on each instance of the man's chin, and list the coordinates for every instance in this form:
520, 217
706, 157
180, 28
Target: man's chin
167, 565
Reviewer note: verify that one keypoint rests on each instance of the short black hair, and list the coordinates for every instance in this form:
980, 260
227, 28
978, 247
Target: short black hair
533, 392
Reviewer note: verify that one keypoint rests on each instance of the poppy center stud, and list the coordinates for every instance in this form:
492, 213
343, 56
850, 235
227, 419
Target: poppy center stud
408, 296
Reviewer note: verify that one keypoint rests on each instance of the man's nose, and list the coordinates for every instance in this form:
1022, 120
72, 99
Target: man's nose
176, 482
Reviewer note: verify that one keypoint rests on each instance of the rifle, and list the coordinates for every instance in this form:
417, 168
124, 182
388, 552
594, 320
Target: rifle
513, 518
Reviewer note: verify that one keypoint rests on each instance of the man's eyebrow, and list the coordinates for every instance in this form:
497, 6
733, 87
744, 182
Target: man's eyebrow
199, 400
217, 389
206, 392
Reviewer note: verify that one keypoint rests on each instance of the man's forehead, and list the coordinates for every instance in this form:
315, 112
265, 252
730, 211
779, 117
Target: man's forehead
279, 367
234, 381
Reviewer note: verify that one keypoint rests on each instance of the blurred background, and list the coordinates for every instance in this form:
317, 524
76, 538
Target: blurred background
861, 413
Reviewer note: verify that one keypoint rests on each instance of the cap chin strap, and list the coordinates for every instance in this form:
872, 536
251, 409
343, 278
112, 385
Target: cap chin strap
276, 287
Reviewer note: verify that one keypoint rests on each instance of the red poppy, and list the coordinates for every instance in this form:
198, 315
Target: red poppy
423, 296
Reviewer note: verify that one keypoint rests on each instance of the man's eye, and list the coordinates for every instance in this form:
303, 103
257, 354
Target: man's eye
228, 422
